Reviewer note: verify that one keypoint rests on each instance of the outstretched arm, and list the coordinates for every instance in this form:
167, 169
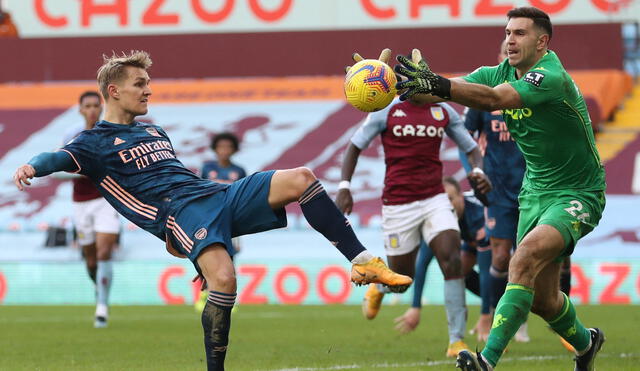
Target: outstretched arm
344, 200
42, 165
483, 97
422, 82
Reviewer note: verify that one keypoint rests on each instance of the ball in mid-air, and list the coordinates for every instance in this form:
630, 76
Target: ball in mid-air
370, 85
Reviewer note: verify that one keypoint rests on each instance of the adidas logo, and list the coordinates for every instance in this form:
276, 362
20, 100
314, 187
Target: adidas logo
118, 141
399, 113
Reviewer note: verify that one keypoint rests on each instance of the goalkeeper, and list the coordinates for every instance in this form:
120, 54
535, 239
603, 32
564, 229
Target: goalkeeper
562, 196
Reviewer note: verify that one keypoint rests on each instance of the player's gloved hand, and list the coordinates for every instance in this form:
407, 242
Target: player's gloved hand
481, 185
408, 321
385, 56
22, 175
344, 201
420, 78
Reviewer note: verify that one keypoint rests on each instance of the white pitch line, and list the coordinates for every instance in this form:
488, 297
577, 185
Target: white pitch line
450, 362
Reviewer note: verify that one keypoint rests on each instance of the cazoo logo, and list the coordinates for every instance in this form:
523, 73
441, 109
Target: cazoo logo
417, 131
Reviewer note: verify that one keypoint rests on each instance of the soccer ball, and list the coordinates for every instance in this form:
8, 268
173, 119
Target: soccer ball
370, 85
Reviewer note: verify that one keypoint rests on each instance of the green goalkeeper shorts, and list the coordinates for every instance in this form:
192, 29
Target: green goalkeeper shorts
573, 213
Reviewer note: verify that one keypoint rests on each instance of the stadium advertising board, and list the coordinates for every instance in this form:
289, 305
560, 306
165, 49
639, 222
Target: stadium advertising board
274, 282
73, 18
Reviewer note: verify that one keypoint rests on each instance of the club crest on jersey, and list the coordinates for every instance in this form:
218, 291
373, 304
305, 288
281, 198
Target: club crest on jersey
200, 234
153, 132
437, 113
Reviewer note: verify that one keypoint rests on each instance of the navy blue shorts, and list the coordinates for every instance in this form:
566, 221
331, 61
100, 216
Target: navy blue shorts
502, 222
242, 208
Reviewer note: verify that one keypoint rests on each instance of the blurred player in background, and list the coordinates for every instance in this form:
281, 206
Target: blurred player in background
97, 223
415, 206
475, 248
136, 169
562, 196
222, 170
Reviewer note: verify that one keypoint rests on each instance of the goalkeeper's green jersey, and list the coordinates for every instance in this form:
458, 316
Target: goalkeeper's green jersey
553, 130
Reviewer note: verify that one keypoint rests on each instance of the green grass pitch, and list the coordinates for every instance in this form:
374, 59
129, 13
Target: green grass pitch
274, 337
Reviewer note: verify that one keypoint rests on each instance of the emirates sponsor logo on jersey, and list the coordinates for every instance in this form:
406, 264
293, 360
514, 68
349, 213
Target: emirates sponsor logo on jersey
201, 234
399, 113
153, 132
118, 141
437, 113
147, 153
417, 131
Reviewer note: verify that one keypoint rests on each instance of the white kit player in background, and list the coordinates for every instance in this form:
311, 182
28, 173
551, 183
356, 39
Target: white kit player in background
97, 224
415, 205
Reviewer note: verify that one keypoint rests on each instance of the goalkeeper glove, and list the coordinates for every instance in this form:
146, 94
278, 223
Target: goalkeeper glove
421, 80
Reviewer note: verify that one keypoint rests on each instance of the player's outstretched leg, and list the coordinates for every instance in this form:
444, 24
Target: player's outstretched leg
324, 216
376, 271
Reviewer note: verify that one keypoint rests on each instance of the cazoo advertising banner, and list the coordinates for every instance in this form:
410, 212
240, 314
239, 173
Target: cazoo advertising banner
74, 18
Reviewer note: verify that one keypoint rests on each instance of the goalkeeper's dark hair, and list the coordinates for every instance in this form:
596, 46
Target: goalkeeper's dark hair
451, 180
539, 18
89, 93
225, 136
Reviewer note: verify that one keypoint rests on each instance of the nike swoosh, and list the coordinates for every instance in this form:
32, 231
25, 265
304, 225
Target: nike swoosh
362, 274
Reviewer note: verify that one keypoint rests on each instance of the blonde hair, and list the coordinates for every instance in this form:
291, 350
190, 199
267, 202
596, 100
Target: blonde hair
114, 68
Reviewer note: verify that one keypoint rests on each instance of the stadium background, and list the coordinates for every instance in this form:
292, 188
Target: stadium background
270, 70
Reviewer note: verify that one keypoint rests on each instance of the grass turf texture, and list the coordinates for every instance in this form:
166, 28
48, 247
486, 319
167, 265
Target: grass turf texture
274, 337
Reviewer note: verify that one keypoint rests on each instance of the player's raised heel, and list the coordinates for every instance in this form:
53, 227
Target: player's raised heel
586, 362
372, 301
467, 361
376, 271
